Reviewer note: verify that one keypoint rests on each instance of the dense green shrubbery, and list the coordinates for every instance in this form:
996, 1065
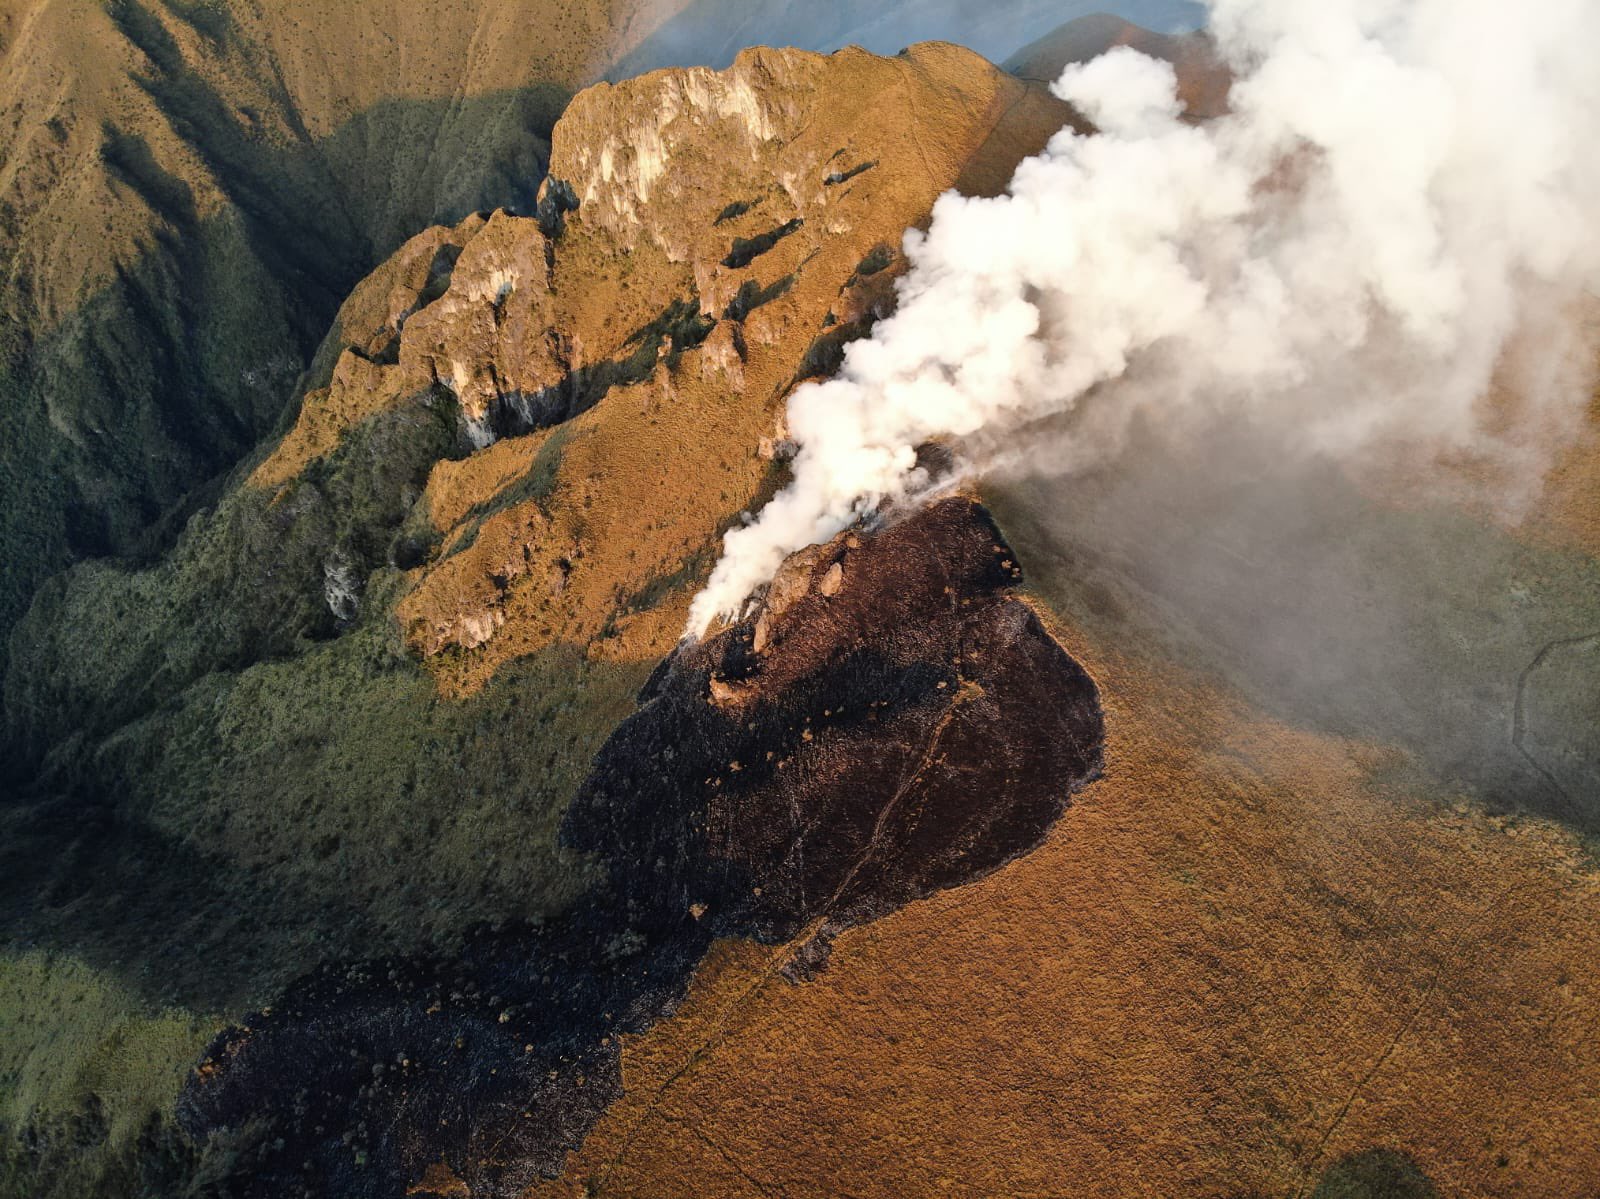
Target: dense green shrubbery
237, 785
246, 582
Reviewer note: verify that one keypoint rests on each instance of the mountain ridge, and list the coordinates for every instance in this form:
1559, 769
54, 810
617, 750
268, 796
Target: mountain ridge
384, 793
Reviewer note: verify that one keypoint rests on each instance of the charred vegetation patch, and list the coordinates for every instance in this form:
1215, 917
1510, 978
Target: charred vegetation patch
819, 761
496, 1061
1375, 1174
879, 258
893, 722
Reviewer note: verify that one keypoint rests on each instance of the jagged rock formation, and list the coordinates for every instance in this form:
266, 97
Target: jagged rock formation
187, 193
690, 315
188, 190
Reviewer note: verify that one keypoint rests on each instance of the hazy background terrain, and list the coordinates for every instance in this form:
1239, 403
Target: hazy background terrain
711, 32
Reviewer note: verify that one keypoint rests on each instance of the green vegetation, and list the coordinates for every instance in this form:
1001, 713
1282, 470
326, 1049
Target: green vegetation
88, 1077
330, 805
239, 778
247, 705
151, 388
247, 581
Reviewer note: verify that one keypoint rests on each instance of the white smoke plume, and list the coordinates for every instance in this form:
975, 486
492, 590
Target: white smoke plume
1402, 193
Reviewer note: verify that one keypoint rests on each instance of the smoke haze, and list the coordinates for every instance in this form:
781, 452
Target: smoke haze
1396, 217
710, 32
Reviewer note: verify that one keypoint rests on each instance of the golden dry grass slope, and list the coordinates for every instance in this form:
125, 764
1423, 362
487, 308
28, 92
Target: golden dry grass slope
731, 230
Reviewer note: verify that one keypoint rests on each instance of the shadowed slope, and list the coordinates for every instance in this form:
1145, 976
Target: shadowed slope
711, 32
186, 194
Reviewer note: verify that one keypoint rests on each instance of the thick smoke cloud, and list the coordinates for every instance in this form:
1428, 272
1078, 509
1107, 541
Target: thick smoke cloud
1397, 216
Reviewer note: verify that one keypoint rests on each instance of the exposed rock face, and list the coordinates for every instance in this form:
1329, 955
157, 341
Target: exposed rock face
722, 236
188, 191
907, 727
468, 312
490, 338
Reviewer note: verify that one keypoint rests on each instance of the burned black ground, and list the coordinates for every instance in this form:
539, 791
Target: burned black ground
893, 722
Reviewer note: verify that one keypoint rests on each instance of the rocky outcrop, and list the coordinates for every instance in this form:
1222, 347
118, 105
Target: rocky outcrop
677, 322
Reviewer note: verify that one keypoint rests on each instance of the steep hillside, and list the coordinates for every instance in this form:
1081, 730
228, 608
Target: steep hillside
346, 712
189, 189
382, 838
187, 193
1202, 80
